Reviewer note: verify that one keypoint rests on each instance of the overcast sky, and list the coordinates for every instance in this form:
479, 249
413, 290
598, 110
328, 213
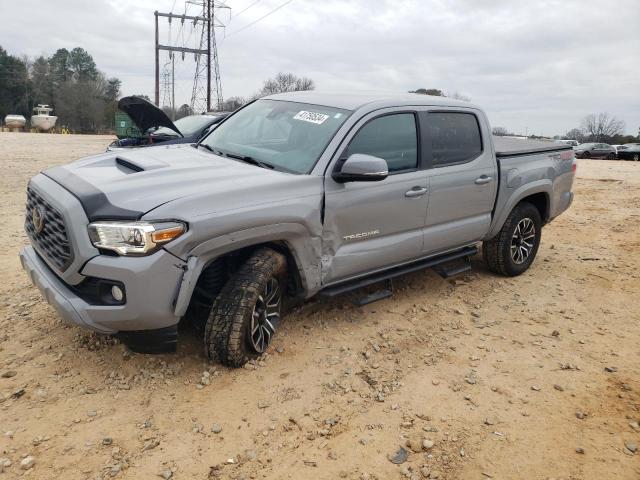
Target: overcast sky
533, 65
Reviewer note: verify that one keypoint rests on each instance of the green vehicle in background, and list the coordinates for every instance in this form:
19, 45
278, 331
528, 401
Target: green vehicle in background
125, 127
139, 123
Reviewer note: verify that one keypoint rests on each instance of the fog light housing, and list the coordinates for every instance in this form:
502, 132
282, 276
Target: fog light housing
117, 293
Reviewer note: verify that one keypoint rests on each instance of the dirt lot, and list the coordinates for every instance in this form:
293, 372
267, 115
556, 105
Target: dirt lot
534, 377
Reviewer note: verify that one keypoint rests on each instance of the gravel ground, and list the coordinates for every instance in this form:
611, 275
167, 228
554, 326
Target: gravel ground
476, 377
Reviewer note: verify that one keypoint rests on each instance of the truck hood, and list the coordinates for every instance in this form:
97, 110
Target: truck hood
145, 115
126, 185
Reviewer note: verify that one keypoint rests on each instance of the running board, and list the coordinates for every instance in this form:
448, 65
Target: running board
446, 271
377, 295
349, 286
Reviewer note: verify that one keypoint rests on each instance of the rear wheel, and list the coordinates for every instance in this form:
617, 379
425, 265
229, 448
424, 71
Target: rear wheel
611, 156
247, 312
636, 157
513, 250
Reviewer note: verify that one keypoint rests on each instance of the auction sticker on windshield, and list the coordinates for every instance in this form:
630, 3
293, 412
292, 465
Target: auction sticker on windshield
311, 117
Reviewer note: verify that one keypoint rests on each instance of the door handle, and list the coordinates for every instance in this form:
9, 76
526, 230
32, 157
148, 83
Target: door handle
416, 192
483, 179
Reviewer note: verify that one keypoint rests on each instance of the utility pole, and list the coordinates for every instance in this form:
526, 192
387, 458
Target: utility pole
203, 20
209, 26
206, 81
173, 85
157, 63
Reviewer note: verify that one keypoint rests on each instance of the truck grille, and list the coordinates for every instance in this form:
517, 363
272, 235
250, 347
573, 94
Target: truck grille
46, 229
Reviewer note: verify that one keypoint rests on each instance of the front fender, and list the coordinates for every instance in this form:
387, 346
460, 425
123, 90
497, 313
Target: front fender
305, 248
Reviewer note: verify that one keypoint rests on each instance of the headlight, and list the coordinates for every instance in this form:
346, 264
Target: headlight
134, 238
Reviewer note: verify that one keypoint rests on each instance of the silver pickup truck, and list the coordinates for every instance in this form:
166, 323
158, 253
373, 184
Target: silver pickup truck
295, 194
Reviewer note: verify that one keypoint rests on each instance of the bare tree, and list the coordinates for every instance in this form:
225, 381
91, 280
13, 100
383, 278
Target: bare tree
599, 126
184, 111
286, 82
233, 103
499, 131
575, 134
459, 96
436, 92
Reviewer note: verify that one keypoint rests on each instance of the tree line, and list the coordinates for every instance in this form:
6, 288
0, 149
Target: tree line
84, 99
596, 127
280, 83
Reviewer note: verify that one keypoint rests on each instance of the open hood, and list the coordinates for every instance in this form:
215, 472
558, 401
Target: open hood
145, 114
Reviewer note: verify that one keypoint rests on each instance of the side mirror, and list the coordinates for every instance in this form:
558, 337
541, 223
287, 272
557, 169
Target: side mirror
360, 167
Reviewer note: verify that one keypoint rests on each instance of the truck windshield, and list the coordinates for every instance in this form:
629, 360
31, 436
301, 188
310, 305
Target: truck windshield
289, 136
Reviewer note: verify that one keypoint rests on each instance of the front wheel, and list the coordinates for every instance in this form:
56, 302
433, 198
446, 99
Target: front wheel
611, 156
247, 312
585, 155
636, 157
513, 250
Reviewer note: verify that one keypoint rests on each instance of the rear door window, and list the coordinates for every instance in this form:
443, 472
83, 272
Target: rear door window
455, 137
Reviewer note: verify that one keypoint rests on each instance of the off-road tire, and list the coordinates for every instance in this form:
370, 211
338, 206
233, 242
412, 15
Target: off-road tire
226, 334
497, 251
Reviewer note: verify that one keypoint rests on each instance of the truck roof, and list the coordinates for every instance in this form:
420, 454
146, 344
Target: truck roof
354, 101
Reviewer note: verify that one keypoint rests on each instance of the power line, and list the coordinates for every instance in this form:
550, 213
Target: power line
247, 8
261, 18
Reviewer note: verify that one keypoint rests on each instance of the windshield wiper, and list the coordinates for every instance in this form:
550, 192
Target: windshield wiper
251, 160
211, 149
236, 156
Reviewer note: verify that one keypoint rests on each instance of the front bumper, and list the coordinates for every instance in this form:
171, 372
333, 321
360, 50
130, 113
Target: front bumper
151, 284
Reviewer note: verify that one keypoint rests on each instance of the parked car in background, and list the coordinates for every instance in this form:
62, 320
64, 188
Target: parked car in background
595, 150
619, 147
631, 151
157, 127
573, 143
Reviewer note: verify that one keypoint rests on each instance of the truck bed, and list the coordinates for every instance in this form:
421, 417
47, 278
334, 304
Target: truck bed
509, 147
532, 165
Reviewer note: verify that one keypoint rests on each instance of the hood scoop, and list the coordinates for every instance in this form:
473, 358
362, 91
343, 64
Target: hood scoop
138, 163
129, 165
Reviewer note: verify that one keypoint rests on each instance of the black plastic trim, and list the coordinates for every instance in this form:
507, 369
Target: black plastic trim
161, 340
94, 202
97, 291
349, 285
127, 164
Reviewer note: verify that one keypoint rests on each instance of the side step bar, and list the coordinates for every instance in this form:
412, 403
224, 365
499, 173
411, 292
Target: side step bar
449, 270
349, 286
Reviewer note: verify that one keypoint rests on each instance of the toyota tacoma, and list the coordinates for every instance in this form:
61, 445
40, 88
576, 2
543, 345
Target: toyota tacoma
295, 194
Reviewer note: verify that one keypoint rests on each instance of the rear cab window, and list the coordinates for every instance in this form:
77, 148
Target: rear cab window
455, 137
